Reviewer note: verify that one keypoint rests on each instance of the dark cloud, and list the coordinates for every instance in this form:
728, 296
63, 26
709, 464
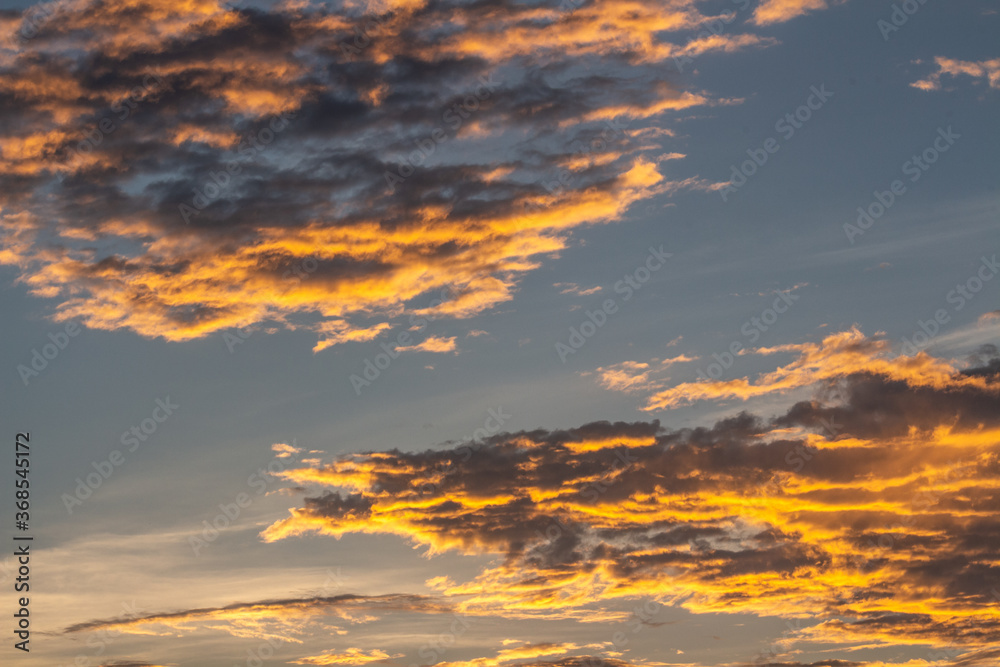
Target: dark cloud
165, 166
858, 528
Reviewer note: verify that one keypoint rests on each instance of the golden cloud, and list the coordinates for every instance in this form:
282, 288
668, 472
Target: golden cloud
870, 510
219, 168
987, 70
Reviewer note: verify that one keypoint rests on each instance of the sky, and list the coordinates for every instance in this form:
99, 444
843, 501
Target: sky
539, 333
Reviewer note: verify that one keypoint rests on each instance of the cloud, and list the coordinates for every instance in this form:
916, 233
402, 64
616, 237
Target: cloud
529, 652
181, 169
284, 451
983, 71
437, 344
333, 332
635, 376
679, 359
281, 620
573, 288
780, 11
627, 376
838, 355
350, 656
869, 511
584, 660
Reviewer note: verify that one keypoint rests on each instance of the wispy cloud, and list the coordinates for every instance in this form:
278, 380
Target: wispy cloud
283, 619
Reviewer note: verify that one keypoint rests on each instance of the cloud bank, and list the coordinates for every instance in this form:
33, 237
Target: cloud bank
870, 510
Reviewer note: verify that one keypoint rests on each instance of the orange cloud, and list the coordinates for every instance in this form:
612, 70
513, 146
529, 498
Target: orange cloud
433, 344
870, 510
838, 355
529, 652
351, 656
636, 376
628, 376
779, 11
217, 176
987, 70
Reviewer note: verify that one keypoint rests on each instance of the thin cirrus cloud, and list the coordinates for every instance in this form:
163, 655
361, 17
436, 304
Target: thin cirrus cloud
870, 510
179, 169
573, 288
279, 620
637, 376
